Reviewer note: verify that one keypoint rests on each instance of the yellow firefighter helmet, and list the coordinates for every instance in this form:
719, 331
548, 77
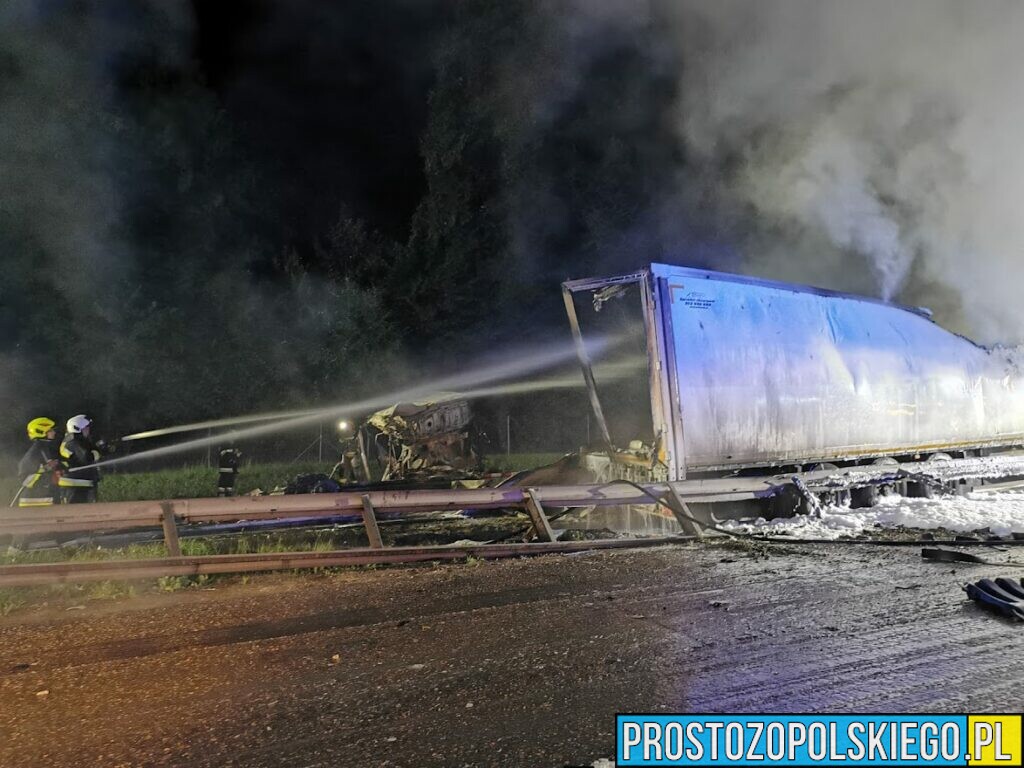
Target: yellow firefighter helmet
37, 428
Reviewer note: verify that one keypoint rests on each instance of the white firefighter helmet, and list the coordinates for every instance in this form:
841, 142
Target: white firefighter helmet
78, 424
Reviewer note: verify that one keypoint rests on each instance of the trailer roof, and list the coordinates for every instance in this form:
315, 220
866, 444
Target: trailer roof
672, 270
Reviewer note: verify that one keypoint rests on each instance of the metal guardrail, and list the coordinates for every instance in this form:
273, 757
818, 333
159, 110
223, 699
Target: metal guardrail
386, 504
369, 506
126, 515
373, 505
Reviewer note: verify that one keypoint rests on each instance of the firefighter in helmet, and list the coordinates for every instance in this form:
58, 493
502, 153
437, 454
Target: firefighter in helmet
78, 454
39, 465
227, 470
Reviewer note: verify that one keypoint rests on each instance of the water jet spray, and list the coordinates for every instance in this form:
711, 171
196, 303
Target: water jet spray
515, 364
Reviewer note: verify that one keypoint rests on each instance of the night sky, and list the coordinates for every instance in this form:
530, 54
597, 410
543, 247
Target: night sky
331, 97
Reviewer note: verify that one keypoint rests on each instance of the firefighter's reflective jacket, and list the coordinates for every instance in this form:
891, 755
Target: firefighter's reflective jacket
77, 454
37, 469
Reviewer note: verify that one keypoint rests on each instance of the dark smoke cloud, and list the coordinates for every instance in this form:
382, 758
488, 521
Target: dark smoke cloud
587, 116
130, 221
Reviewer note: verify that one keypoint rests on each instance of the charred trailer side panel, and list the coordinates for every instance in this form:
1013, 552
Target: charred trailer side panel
749, 373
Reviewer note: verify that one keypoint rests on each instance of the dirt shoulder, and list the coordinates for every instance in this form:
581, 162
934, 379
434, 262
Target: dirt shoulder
502, 663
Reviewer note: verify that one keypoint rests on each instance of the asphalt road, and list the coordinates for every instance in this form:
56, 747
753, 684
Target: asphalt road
511, 663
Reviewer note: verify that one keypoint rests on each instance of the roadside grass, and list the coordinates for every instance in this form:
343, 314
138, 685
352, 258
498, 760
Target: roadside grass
109, 590
8, 487
516, 462
323, 539
11, 600
71, 595
199, 481
296, 540
191, 482
194, 482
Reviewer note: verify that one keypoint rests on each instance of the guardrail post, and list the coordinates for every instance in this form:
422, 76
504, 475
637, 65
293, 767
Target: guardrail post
370, 521
689, 526
170, 530
536, 511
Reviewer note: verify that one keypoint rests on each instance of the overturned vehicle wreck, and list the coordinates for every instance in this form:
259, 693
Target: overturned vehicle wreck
747, 377
424, 440
409, 444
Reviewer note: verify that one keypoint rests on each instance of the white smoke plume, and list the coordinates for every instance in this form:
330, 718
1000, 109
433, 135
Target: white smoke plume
871, 144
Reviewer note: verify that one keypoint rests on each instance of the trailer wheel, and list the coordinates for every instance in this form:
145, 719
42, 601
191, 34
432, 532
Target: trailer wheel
862, 498
886, 489
839, 498
788, 502
919, 490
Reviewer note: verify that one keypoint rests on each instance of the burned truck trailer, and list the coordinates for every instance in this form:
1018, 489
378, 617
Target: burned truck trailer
746, 373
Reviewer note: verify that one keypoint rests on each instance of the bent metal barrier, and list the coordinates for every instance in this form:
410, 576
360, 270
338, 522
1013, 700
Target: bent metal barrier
385, 504
126, 515
374, 505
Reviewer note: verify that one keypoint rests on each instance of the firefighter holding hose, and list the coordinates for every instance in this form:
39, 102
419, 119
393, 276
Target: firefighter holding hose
78, 454
39, 466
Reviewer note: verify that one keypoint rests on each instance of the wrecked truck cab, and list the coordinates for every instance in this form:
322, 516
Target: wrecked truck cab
425, 439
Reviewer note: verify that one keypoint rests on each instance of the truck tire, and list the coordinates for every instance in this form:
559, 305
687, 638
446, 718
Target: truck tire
918, 490
839, 498
887, 489
863, 498
788, 502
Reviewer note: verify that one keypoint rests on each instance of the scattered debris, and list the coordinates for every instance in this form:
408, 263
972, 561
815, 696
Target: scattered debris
1003, 595
952, 556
